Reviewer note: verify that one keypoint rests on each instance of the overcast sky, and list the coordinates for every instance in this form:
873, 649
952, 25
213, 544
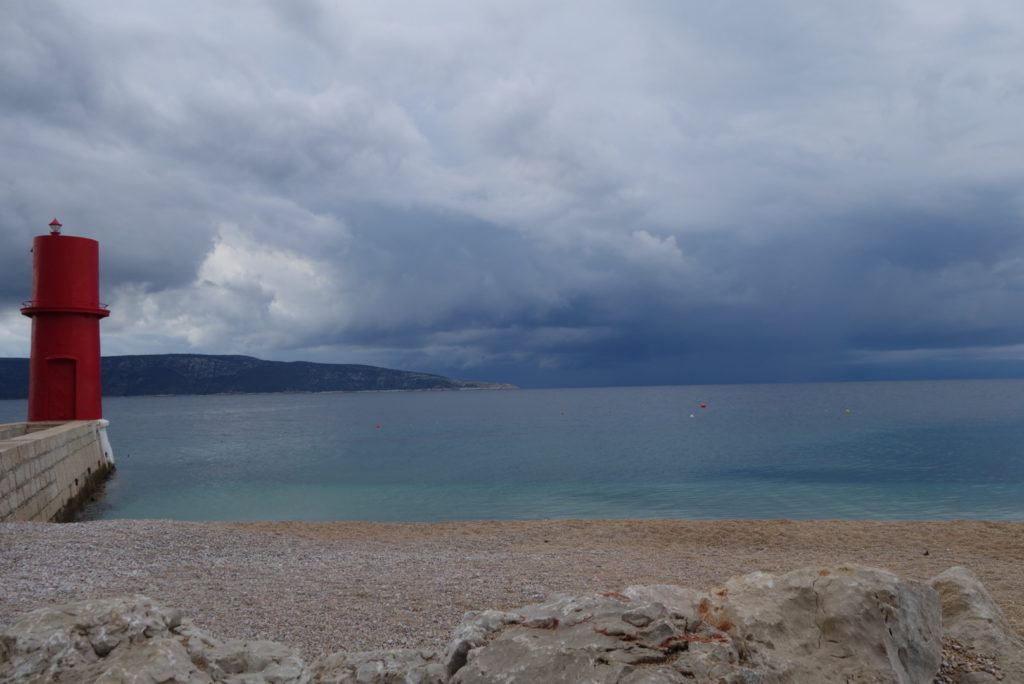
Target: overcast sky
544, 193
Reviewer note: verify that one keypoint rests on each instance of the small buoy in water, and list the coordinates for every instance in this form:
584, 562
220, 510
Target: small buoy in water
847, 411
378, 426
703, 405
692, 416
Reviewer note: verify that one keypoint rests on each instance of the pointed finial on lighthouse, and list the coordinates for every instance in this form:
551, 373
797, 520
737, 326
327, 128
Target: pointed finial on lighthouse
55, 227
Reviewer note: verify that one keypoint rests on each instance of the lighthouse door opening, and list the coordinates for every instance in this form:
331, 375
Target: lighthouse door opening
63, 387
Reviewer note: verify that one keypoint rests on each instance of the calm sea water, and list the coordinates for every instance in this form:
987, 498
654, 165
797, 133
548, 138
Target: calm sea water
885, 451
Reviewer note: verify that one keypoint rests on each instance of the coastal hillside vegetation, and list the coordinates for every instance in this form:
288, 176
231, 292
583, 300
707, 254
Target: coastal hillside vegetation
205, 374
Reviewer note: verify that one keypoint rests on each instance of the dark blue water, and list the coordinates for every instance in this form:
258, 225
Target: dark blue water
884, 451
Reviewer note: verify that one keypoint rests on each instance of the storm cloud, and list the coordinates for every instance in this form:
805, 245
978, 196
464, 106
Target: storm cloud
573, 193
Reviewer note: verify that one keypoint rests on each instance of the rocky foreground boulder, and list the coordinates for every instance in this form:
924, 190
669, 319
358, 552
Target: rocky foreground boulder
842, 624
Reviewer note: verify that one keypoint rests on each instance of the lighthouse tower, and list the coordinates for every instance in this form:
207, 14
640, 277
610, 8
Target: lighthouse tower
64, 371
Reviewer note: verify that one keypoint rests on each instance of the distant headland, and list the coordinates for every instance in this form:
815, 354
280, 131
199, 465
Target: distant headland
206, 374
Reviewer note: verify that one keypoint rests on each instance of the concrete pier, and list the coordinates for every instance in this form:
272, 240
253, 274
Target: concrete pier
49, 469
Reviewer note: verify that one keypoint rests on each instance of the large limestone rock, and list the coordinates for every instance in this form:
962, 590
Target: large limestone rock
134, 640
848, 623
77, 642
972, 619
842, 624
595, 638
602, 638
399, 666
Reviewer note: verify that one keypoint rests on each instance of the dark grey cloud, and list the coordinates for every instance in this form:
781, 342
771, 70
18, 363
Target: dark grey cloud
581, 193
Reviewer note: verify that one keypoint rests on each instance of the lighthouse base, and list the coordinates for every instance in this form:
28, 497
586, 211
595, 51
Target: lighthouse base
49, 470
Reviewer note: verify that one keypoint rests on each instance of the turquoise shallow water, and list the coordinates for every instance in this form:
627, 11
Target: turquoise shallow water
885, 451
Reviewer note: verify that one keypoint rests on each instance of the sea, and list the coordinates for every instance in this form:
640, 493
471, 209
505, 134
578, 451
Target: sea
937, 450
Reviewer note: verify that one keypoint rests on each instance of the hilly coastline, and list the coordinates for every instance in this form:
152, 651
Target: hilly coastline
207, 374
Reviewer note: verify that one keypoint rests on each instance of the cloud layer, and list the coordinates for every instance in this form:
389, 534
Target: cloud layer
549, 194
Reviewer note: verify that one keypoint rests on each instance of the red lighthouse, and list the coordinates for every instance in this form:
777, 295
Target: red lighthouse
64, 371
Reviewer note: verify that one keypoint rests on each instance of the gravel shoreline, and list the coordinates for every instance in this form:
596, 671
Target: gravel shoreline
325, 587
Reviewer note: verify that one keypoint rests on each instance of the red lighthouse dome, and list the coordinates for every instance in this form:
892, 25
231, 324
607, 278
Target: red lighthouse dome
64, 370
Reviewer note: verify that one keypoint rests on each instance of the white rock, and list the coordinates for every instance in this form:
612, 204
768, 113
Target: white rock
135, 640
682, 602
476, 627
848, 623
405, 666
970, 616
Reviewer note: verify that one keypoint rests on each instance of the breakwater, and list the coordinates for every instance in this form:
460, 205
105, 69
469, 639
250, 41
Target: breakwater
48, 469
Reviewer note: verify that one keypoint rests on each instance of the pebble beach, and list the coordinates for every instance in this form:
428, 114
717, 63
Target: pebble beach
352, 586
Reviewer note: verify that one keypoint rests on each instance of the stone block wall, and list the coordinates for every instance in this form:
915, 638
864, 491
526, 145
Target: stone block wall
47, 470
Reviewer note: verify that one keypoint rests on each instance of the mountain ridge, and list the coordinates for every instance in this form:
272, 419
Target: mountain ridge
152, 374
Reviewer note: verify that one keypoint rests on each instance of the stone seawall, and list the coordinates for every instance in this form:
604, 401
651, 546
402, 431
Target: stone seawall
47, 470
